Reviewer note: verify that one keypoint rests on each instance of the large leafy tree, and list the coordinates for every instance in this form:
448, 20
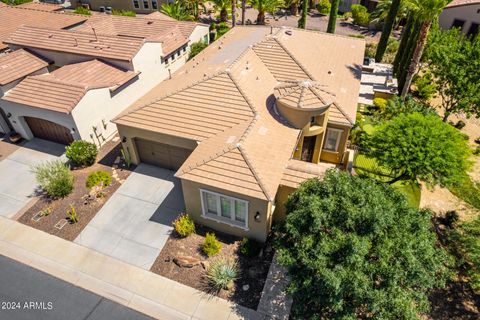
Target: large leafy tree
387, 30
355, 249
264, 6
332, 19
416, 146
454, 62
425, 11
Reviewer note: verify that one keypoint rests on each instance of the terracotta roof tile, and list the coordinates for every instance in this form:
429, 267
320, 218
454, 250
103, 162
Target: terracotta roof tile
458, 3
81, 43
299, 171
62, 89
160, 16
18, 64
41, 6
12, 17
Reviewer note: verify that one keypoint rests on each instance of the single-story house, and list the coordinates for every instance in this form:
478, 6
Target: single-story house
136, 53
463, 14
247, 120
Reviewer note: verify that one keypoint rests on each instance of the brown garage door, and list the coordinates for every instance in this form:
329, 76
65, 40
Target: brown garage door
48, 130
160, 154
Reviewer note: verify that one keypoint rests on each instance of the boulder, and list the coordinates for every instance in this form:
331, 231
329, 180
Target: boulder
186, 261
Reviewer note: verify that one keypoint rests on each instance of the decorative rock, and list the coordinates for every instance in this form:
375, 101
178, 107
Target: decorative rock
186, 261
245, 287
205, 265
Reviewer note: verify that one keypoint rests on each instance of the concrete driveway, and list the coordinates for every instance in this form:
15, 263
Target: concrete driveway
136, 221
17, 181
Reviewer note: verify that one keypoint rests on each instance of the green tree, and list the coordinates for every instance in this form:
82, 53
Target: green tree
177, 10
264, 6
196, 48
387, 30
454, 62
223, 6
332, 19
426, 11
406, 33
416, 146
355, 249
302, 22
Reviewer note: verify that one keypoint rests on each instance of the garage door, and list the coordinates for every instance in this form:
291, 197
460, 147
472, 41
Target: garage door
48, 130
160, 154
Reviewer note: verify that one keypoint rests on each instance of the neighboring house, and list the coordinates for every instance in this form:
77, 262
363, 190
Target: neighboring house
14, 67
12, 17
138, 6
463, 14
143, 51
247, 120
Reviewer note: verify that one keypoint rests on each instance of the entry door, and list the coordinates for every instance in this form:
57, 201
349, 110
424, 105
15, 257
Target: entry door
48, 130
308, 148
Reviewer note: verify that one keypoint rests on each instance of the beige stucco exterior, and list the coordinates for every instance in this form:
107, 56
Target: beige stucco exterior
257, 229
122, 5
470, 13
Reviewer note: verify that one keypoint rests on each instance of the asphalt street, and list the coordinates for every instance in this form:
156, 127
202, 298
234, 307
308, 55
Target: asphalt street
29, 294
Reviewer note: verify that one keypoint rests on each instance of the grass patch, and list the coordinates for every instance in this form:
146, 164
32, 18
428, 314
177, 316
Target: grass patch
468, 191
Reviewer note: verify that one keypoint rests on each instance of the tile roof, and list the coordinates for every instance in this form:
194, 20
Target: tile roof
159, 15
303, 94
299, 171
173, 34
41, 6
12, 17
249, 156
75, 42
63, 89
18, 64
197, 112
458, 3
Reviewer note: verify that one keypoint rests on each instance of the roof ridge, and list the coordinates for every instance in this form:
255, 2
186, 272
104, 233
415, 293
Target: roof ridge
166, 95
255, 173
294, 59
49, 77
208, 159
343, 112
242, 92
55, 12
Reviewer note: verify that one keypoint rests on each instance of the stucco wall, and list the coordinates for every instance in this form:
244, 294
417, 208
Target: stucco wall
468, 13
257, 229
130, 133
120, 4
336, 157
20, 111
280, 212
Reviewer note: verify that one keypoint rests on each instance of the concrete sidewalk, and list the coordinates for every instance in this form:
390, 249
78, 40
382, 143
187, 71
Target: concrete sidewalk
131, 286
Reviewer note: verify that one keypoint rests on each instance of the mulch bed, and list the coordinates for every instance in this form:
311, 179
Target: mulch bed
109, 157
253, 271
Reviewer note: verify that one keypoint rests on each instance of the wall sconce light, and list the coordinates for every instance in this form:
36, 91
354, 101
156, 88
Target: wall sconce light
124, 139
72, 131
257, 216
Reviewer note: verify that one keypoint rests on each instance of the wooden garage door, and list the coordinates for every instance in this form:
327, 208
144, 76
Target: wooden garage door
160, 154
48, 130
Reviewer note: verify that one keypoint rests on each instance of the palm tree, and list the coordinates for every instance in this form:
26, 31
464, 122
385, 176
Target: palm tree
234, 11
264, 6
293, 5
387, 29
302, 22
244, 7
381, 12
426, 11
223, 6
332, 19
177, 11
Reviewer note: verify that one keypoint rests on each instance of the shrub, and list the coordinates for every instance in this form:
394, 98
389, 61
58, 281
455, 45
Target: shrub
196, 48
222, 273
451, 218
222, 28
380, 103
360, 15
460, 124
425, 87
125, 13
72, 215
184, 225
82, 10
211, 246
347, 15
324, 6
476, 151
82, 153
250, 247
55, 178
98, 178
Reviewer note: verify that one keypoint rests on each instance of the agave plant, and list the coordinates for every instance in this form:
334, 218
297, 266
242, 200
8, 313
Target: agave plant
222, 272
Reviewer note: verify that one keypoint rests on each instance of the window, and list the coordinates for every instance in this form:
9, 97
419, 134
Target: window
145, 4
313, 121
154, 4
332, 139
136, 4
457, 23
224, 209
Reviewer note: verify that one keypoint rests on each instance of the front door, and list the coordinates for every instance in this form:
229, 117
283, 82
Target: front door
308, 148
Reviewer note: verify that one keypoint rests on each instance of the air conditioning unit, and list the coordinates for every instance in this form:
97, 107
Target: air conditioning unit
102, 9
108, 10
